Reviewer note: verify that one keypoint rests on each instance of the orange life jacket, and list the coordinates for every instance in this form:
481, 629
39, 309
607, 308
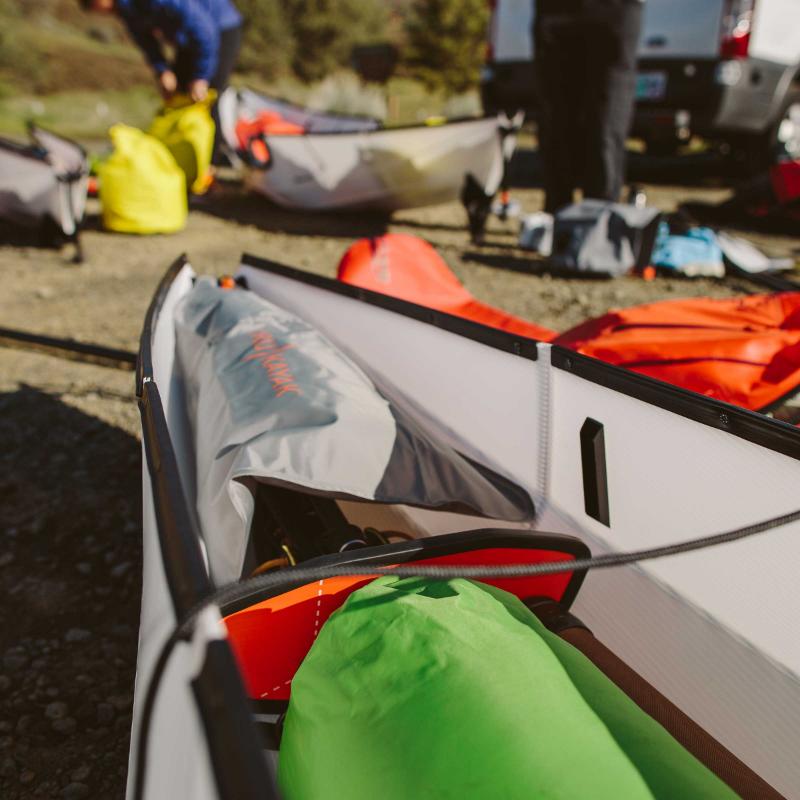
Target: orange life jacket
250, 133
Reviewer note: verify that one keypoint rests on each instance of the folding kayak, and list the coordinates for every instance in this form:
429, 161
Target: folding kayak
314, 161
295, 426
43, 185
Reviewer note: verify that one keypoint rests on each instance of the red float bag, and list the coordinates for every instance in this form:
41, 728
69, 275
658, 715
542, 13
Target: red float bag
408, 268
744, 351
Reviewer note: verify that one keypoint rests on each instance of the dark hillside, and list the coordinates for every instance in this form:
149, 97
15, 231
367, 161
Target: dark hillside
51, 46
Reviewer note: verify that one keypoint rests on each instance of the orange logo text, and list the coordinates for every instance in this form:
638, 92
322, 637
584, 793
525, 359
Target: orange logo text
268, 353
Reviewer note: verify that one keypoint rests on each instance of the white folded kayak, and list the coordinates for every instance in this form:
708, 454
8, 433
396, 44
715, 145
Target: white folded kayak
290, 419
43, 185
236, 105
339, 163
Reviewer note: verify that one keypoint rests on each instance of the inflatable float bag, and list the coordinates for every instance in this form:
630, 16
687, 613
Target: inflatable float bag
142, 189
418, 688
187, 130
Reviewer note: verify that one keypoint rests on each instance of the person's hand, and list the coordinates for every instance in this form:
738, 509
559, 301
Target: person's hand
198, 90
167, 83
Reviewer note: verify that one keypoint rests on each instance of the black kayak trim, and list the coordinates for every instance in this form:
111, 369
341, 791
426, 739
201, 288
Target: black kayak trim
240, 770
189, 583
752, 426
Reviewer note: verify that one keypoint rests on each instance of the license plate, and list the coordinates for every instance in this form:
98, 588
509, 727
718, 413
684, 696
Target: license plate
651, 85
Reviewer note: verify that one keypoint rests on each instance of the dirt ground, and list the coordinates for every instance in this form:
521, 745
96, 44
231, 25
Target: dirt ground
70, 518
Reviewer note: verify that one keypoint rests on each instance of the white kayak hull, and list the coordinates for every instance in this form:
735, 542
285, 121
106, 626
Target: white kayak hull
713, 630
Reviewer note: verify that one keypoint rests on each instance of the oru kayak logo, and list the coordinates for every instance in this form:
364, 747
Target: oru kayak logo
269, 353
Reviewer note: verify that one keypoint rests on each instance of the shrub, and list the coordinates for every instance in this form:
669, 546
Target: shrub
268, 47
446, 42
325, 32
344, 93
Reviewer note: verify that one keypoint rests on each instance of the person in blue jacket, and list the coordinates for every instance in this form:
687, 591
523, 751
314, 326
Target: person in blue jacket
205, 34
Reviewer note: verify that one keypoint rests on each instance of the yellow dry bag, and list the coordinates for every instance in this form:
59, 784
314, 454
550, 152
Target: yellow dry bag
142, 189
187, 129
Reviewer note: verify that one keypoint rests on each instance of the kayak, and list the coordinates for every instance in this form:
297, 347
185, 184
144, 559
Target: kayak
296, 426
307, 160
43, 185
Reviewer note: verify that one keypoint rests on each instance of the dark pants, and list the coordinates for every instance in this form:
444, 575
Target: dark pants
586, 83
230, 42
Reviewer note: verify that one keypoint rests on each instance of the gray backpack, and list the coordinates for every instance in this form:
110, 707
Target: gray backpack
603, 238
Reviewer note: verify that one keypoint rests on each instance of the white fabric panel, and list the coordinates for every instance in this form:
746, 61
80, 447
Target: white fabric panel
227, 109
384, 169
28, 188
251, 103
63, 209
179, 765
235, 105
66, 157
715, 631
480, 400
170, 383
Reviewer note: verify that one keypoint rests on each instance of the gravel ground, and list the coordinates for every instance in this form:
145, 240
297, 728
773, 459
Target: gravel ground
70, 524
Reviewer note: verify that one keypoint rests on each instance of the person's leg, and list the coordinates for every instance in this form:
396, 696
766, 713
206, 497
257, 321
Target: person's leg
610, 94
229, 44
556, 107
230, 41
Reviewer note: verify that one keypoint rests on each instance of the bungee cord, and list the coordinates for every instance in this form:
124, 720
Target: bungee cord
290, 577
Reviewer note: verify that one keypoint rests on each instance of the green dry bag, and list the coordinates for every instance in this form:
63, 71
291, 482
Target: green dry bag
142, 189
423, 689
187, 129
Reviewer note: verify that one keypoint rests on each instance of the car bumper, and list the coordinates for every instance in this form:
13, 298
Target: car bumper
711, 97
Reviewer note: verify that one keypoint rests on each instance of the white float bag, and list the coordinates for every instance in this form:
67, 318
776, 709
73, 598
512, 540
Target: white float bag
272, 400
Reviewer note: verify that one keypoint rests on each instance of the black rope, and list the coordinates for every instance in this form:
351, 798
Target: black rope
148, 708
243, 590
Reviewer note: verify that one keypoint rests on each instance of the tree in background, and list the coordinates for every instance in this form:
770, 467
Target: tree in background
325, 32
269, 45
446, 42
